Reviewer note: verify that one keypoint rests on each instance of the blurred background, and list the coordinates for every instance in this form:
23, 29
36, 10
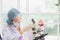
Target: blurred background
46, 10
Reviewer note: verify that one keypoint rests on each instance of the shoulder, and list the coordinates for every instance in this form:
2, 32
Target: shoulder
5, 28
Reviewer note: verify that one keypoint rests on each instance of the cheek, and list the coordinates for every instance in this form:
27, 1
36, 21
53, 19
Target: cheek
18, 20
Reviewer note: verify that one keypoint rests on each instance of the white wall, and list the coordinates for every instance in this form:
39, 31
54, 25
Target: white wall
43, 6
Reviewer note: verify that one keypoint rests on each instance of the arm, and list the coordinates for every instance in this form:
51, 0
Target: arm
7, 35
26, 28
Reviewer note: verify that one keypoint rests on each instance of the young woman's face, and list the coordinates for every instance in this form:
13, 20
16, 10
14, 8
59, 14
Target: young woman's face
18, 19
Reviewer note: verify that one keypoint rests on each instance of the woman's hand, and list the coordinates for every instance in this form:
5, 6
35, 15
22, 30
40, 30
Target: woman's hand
19, 30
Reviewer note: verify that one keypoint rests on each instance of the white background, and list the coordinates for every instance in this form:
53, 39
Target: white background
27, 8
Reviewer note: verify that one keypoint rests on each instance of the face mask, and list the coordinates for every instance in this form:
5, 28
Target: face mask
17, 24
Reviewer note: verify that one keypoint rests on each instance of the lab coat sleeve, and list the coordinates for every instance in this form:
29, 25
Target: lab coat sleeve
7, 35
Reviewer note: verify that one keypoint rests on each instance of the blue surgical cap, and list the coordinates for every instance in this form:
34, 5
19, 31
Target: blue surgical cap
12, 14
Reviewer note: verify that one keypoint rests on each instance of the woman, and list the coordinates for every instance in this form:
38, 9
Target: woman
13, 31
